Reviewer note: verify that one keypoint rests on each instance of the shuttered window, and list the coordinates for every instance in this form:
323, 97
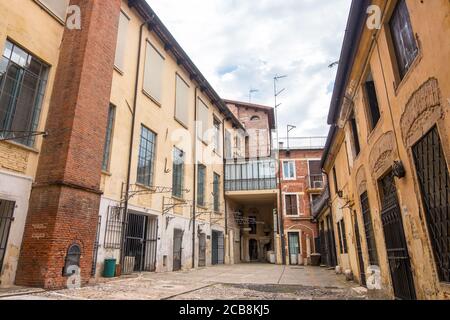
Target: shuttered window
57, 7
121, 41
291, 205
153, 73
182, 101
403, 39
202, 120
217, 140
216, 192
373, 110
354, 129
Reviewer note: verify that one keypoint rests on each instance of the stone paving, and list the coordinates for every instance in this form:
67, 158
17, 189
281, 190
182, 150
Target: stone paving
231, 282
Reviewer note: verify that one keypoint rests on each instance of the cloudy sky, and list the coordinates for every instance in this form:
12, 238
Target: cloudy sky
242, 44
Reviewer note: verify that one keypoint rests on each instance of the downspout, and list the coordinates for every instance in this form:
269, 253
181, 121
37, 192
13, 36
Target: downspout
130, 153
280, 212
194, 197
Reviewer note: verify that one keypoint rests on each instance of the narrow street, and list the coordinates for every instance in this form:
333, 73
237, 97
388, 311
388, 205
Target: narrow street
237, 282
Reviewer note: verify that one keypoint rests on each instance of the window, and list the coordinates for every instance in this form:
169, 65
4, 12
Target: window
216, 192
405, 45
23, 78
217, 125
202, 120
373, 110
121, 41
255, 118
289, 170
228, 148
368, 228
315, 174
153, 73
146, 157
291, 205
336, 185
201, 176
57, 7
178, 173
342, 237
354, 129
182, 101
108, 139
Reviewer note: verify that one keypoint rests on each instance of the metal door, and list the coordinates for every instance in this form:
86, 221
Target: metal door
397, 251
177, 249
202, 250
331, 242
139, 247
362, 274
217, 248
6, 218
434, 181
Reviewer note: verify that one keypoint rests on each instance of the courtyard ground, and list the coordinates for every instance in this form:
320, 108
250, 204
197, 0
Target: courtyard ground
226, 282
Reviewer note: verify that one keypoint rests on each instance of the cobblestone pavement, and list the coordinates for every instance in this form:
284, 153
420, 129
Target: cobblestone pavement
236, 282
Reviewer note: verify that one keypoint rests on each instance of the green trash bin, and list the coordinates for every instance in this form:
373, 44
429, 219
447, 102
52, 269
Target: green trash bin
109, 270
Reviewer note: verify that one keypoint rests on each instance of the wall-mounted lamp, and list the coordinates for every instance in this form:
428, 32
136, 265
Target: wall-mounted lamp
398, 169
340, 194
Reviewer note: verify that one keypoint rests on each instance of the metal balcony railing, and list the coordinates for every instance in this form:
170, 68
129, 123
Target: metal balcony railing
321, 201
250, 175
316, 181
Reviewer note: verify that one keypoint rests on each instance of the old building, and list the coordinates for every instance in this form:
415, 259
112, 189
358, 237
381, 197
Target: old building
387, 154
302, 181
113, 145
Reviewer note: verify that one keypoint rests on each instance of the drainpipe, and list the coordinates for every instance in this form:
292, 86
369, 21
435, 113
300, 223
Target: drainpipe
280, 212
194, 197
130, 153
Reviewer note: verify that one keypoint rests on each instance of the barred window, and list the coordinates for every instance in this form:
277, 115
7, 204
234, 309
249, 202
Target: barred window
108, 139
201, 185
146, 157
178, 173
23, 79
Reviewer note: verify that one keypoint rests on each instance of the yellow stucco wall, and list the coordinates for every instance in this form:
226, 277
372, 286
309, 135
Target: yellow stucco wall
400, 126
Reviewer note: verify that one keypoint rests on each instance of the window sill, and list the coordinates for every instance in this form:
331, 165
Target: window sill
143, 186
22, 146
120, 72
178, 198
181, 123
151, 98
106, 173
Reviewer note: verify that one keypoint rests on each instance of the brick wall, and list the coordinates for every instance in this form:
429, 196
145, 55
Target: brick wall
299, 186
13, 157
66, 196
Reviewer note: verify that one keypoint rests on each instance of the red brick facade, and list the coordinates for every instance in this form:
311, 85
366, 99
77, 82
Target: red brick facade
66, 196
299, 187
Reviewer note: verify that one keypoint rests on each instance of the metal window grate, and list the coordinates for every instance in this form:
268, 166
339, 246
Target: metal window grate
6, 218
114, 227
434, 181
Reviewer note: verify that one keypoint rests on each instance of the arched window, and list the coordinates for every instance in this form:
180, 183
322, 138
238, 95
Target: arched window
72, 259
255, 118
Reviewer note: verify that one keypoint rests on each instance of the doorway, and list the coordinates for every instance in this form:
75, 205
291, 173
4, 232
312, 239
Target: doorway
140, 242
218, 248
202, 250
294, 247
6, 219
394, 234
253, 249
177, 249
362, 273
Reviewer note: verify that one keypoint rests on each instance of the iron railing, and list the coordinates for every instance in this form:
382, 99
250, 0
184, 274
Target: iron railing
306, 143
316, 181
250, 175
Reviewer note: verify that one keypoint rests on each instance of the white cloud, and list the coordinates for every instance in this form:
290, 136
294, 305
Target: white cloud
242, 44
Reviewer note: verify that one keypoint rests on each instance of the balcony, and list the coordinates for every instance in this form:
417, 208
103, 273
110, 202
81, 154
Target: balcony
253, 175
321, 201
316, 182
